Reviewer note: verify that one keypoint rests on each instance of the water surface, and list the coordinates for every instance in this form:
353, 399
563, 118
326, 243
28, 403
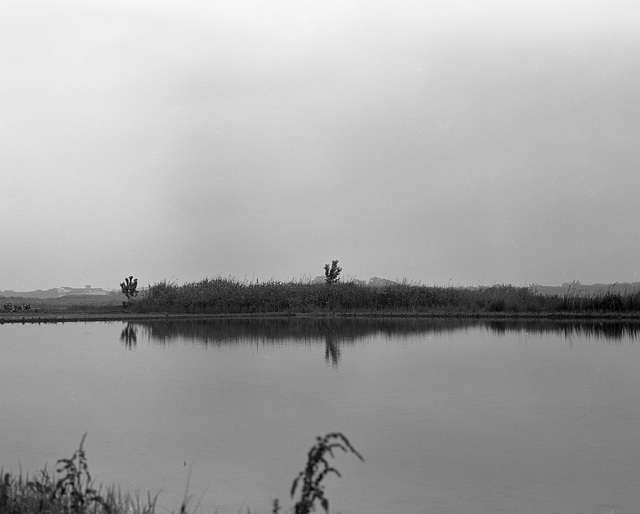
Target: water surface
451, 417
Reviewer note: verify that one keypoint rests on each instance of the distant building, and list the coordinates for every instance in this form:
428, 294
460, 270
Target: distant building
85, 291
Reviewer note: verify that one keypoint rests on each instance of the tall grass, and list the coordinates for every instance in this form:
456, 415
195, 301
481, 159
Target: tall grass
71, 489
230, 296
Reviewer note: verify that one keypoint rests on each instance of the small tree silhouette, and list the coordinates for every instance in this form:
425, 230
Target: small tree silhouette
129, 288
332, 274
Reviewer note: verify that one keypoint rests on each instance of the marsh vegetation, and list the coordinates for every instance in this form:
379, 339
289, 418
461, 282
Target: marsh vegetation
332, 295
230, 296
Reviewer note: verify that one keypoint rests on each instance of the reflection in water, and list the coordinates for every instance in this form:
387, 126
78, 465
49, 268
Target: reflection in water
332, 351
463, 415
613, 330
335, 332
216, 331
332, 332
129, 335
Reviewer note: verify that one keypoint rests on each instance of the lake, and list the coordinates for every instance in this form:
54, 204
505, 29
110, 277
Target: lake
450, 416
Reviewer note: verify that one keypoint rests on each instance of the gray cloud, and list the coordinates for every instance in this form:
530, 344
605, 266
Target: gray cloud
470, 143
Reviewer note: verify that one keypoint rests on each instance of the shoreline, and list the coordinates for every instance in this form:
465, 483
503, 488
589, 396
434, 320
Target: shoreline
87, 317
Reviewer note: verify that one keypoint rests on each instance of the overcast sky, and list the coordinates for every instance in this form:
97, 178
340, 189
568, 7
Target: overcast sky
446, 142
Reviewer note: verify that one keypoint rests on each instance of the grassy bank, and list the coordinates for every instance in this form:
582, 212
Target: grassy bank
229, 296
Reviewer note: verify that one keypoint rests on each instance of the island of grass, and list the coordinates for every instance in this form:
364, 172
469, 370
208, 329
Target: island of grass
231, 297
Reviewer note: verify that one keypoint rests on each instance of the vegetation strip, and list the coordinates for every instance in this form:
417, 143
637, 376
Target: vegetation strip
230, 297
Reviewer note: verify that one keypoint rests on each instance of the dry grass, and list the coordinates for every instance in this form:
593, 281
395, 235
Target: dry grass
230, 296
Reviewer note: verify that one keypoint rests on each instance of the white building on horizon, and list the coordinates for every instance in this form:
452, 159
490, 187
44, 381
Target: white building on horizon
84, 291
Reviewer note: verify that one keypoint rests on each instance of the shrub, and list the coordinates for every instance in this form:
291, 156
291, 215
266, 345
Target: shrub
129, 288
332, 274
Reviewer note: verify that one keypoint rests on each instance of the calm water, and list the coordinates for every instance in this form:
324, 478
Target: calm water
451, 418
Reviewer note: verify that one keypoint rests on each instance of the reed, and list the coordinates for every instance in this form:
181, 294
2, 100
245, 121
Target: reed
315, 471
71, 489
231, 296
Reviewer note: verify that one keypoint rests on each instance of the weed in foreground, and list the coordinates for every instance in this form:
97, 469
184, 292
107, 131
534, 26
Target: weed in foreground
75, 488
316, 469
74, 492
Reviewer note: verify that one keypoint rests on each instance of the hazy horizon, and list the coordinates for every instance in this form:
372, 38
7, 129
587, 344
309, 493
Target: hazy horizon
307, 279
458, 143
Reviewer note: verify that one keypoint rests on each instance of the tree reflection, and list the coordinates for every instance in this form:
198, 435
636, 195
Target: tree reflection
334, 333
332, 350
129, 335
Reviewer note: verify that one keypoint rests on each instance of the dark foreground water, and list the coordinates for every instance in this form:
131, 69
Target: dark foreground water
451, 418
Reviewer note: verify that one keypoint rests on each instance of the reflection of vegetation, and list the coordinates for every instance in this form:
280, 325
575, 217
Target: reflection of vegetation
597, 329
336, 332
332, 350
341, 330
332, 332
225, 330
129, 335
